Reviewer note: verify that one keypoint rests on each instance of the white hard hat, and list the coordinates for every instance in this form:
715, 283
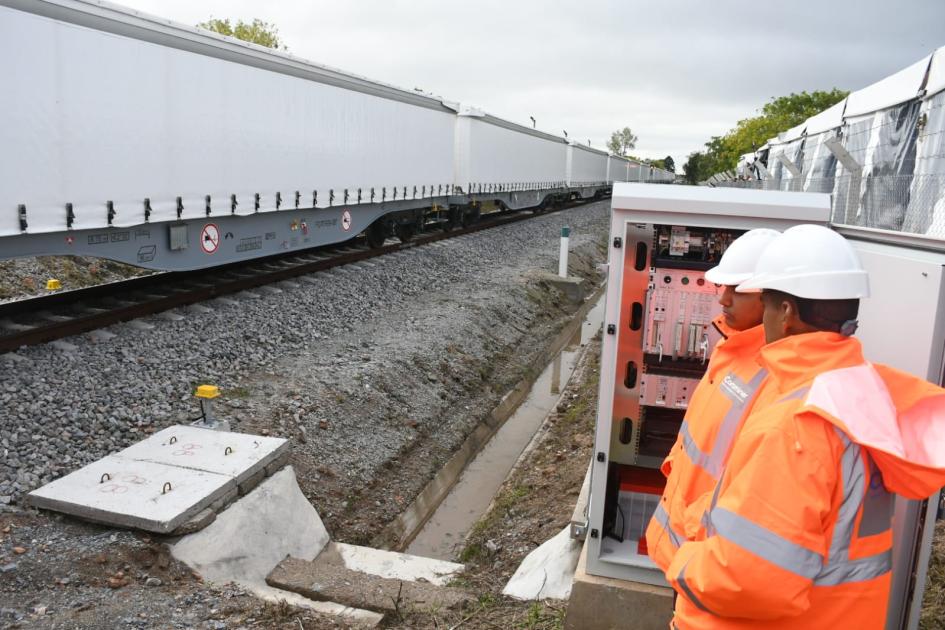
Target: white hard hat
739, 260
810, 261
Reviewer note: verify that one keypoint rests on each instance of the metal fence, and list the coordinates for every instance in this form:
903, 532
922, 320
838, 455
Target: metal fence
906, 203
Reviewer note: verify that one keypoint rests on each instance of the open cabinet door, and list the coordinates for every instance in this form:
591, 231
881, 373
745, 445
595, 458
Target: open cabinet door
902, 324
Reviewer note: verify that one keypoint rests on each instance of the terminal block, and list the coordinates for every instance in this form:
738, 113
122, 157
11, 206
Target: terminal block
681, 305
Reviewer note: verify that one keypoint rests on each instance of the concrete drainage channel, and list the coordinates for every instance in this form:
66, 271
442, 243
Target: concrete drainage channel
437, 521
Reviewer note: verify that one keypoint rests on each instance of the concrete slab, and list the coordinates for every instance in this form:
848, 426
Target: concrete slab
63, 346
390, 564
250, 537
235, 455
572, 288
199, 309
548, 571
140, 326
119, 491
326, 581
599, 603
171, 316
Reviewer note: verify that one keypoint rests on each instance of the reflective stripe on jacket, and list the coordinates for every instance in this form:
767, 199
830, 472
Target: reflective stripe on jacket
715, 410
798, 530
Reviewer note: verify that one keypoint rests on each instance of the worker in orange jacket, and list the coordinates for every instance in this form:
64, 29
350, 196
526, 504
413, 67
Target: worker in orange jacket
718, 402
797, 533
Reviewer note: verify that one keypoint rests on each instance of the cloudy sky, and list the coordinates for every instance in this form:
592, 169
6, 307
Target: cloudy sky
675, 71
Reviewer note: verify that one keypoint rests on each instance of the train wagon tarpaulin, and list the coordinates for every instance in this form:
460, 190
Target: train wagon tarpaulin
163, 481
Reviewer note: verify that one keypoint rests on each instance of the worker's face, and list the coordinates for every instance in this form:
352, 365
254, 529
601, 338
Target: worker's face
741, 310
780, 318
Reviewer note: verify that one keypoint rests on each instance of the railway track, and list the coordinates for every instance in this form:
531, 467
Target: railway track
58, 315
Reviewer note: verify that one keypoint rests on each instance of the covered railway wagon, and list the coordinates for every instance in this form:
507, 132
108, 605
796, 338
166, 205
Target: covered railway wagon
525, 166
618, 169
586, 166
140, 140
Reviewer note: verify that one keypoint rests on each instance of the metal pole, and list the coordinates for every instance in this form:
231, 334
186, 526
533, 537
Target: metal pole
563, 257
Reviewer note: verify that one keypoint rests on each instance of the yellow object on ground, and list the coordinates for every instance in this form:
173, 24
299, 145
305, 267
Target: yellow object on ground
207, 391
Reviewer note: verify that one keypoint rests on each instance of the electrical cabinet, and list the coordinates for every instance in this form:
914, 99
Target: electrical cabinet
659, 336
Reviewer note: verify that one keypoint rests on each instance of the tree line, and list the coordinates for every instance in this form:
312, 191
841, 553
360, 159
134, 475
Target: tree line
777, 115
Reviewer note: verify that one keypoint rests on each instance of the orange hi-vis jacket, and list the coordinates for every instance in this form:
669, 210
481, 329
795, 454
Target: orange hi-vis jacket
798, 531
712, 419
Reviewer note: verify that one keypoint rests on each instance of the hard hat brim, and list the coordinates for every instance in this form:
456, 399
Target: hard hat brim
827, 285
717, 276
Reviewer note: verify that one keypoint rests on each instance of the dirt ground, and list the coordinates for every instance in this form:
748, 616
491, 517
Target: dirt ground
56, 572
933, 603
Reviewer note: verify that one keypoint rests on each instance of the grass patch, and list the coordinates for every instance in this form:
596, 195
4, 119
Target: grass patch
504, 503
933, 602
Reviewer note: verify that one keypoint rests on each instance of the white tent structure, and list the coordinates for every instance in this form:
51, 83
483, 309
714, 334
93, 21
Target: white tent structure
880, 152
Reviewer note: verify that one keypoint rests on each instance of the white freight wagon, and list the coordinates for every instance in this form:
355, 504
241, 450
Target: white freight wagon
123, 119
586, 166
618, 169
493, 152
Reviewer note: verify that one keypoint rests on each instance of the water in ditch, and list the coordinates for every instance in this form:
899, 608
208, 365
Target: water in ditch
444, 533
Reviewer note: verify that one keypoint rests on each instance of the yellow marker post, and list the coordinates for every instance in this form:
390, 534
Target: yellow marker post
206, 394
53, 284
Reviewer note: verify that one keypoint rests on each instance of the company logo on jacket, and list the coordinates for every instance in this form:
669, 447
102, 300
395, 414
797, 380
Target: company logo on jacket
735, 389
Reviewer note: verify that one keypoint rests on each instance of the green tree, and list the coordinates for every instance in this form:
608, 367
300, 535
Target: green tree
691, 169
777, 115
622, 141
257, 31
669, 164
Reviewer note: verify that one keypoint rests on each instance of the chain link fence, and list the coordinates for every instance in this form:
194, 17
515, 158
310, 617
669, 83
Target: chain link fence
905, 203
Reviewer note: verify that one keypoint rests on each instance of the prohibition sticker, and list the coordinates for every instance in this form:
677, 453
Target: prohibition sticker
209, 238
345, 220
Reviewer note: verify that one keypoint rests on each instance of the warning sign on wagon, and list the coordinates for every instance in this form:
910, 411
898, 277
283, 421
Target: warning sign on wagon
346, 220
209, 238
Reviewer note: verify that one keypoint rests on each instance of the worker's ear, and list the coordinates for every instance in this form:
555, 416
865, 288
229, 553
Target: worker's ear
791, 318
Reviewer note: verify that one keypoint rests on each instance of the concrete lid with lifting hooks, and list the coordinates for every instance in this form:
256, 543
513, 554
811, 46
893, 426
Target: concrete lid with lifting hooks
161, 482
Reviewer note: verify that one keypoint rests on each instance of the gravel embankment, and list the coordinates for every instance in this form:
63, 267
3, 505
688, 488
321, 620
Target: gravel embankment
22, 278
376, 369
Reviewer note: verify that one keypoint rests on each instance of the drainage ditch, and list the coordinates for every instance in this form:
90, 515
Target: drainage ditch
437, 523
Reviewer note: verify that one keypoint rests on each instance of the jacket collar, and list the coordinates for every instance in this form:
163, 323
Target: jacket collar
736, 342
794, 361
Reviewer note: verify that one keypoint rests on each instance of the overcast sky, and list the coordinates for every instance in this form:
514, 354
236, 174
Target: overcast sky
676, 72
